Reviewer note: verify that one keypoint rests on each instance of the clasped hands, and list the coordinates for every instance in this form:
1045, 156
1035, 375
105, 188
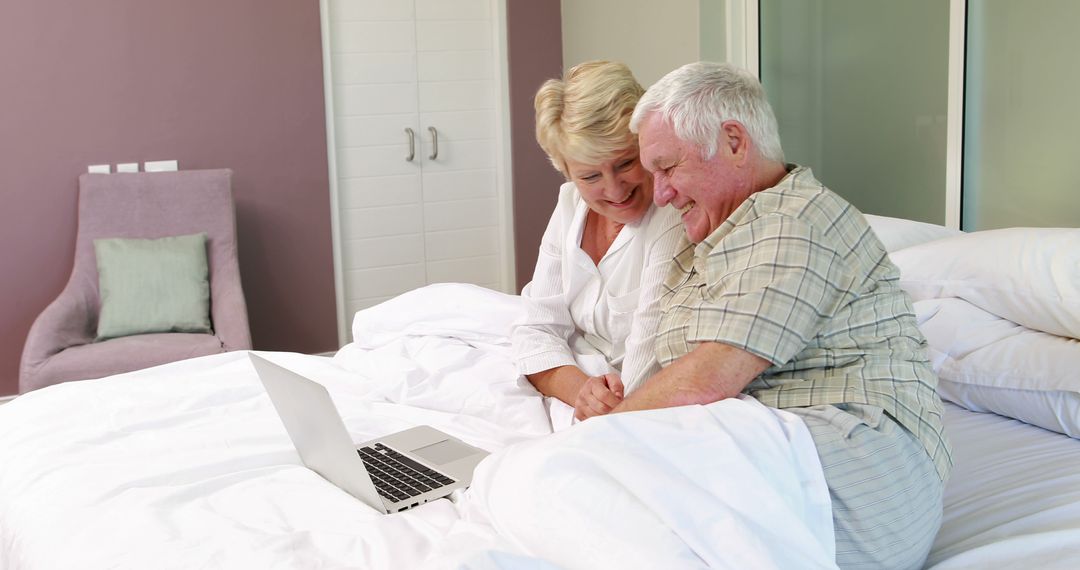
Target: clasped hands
598, 396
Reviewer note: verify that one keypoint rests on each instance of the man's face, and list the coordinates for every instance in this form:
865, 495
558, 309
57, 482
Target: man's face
706, 191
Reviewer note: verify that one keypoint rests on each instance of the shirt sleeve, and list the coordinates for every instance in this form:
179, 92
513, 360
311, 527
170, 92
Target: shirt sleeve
541, 341
665, 235
771, 286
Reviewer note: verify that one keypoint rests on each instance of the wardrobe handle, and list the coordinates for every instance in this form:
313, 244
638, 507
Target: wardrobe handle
412, 144
434, 143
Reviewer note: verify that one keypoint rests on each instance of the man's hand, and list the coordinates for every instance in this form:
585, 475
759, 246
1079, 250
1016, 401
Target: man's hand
598, 396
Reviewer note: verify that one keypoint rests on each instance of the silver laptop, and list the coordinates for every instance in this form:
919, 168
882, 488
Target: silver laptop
390, 473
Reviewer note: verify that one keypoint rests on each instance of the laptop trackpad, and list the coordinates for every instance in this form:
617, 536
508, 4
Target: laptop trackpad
443, 452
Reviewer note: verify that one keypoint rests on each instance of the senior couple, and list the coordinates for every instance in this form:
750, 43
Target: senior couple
699, 265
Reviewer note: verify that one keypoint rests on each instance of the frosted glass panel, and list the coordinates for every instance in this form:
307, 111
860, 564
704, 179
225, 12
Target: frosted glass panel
713, 22
860, 89
1020, 117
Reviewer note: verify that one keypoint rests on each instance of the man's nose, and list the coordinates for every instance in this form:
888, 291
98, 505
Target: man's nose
663, 193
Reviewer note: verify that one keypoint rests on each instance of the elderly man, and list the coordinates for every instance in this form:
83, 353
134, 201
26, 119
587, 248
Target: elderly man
784, 293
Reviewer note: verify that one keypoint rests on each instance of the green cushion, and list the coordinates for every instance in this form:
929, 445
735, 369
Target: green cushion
153, 285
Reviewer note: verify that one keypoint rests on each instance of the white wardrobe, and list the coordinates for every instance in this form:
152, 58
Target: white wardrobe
418, 144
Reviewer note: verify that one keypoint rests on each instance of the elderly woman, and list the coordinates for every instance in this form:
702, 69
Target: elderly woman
594, 297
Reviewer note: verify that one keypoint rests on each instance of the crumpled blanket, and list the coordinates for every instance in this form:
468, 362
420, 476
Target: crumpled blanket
188, 466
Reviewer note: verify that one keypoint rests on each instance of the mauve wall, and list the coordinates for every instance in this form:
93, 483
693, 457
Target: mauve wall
211, 83
534, 34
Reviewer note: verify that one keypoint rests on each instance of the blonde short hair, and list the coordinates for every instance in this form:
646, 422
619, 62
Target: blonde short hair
585, 117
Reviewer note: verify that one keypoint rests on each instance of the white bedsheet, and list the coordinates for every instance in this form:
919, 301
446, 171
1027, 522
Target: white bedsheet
187, 466
1013, 501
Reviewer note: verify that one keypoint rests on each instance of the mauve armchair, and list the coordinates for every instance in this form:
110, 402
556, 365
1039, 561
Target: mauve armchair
60, 346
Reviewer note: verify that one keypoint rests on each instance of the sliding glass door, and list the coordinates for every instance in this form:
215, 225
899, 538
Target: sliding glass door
1020, 117
860, 89
874, 95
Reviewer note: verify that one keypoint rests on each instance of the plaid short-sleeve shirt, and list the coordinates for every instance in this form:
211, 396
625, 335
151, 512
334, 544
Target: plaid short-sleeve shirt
796, 276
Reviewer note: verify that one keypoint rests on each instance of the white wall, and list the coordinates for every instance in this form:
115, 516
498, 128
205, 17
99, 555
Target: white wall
651, 37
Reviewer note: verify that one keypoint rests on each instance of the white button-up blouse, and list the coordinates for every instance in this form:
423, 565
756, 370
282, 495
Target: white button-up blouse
612, 309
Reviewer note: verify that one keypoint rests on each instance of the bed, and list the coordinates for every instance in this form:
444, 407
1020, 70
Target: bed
186, 465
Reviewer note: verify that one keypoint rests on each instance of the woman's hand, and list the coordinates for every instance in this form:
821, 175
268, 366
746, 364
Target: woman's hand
598, 396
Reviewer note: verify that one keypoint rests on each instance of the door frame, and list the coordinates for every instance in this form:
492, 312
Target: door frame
502, 162
744, 49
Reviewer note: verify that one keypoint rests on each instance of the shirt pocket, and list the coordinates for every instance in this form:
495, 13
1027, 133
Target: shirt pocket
621, 310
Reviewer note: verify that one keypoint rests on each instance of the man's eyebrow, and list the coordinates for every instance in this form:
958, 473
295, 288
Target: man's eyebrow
655, 162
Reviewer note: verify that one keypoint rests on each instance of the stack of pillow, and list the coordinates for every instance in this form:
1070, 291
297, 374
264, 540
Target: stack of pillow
1001, 313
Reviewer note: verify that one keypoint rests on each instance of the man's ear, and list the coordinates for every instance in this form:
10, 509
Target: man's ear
734, 137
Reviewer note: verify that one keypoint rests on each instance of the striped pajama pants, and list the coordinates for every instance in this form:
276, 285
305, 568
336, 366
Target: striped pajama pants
886, 494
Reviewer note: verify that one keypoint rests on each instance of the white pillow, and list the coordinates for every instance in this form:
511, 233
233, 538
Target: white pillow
1030, 276
898, 233
454, 310
988, 364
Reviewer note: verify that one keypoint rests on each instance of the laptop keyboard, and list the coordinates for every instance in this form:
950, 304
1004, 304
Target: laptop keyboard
397, 477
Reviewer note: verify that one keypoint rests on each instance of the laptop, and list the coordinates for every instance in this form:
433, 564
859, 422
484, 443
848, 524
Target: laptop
391, 473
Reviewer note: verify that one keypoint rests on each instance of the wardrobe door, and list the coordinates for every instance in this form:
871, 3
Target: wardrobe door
457, 95
417, 110
375, 122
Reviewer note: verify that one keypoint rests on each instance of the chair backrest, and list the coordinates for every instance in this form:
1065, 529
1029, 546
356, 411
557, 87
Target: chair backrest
161, 204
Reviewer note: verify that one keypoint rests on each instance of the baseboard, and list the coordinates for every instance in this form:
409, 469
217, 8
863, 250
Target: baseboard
6, 399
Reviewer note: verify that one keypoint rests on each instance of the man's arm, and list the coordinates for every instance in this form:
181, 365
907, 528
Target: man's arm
711, 372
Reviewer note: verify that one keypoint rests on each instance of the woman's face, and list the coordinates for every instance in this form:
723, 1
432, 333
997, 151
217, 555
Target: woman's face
618, 188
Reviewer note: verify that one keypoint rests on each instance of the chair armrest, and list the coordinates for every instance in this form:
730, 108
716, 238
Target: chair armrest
64, 323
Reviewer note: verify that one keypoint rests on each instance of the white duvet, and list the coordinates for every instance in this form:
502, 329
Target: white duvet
188, 466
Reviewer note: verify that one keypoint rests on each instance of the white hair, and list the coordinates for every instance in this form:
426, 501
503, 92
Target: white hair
698, 97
